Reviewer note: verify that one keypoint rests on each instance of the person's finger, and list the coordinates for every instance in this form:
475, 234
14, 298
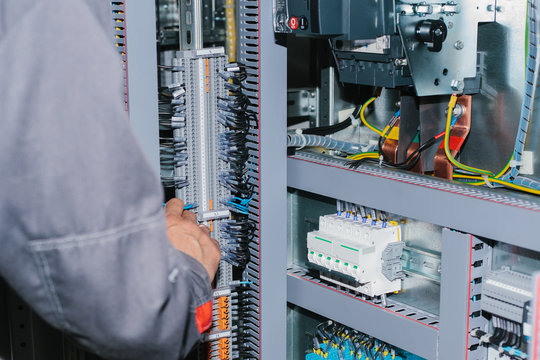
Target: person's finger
188, 215
212, 255
205, 229
216, 244
174, 207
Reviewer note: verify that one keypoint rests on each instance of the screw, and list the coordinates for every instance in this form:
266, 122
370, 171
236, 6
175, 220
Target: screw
457, 85
400, 62
450, 25
459, 45
458, 112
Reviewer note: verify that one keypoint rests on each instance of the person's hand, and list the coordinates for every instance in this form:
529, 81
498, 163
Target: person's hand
187, 236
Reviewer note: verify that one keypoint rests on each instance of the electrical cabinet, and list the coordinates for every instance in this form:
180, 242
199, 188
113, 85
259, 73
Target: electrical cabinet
439, 269
464, 266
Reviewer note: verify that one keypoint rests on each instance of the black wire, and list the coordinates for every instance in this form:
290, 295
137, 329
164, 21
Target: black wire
381, 347
330, 340
370, 347
328, 130
499, 335
409, 163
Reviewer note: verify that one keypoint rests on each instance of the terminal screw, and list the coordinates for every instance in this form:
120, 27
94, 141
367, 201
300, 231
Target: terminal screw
457, 85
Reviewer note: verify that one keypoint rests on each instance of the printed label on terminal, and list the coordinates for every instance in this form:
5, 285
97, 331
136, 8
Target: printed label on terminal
218, 335
212, 215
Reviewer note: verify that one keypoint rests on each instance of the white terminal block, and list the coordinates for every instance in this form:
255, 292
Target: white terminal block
209, 215
354, 248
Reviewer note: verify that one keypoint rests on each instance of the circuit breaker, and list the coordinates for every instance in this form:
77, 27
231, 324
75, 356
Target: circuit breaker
369, 253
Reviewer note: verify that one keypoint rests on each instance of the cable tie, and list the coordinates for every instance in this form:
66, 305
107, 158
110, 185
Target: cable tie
304, 142
515, 163
299, 131
354, 121
380, 160
488, 183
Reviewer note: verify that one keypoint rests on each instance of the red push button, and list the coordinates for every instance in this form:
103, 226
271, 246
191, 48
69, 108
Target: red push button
293, 23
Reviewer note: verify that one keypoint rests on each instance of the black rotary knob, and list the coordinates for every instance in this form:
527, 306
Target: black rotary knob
432, 33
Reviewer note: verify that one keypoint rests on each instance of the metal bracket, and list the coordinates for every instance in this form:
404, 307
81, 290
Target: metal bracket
190, 25
423, 9
443, 72
422, 262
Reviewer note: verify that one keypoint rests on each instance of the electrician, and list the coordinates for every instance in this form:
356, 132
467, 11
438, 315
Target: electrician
84, 238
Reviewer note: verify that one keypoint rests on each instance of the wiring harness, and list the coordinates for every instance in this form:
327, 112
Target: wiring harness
235, 117
232, 310
507, 337
359, 212
506, 178
172, 116
333, 341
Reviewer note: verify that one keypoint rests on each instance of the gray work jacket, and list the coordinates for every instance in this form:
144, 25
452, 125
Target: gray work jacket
83, 236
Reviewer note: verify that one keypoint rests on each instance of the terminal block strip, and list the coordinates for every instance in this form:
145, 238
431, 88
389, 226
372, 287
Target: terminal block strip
195, 89
194, 153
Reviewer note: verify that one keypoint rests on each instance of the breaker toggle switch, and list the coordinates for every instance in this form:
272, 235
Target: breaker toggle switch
432, 33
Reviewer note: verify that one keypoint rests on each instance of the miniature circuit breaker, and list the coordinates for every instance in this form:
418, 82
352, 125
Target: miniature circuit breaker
365, 256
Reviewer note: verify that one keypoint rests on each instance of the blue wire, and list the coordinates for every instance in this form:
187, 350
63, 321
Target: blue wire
186, 207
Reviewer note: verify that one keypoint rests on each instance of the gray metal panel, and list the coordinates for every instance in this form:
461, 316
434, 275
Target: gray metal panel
273, 188
142, 76
480, 212
384, 324
455, 293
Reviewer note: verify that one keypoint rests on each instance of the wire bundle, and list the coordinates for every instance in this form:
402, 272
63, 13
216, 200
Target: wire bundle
335, 341
379, 158
359, 212
173, 145
483, 177
238, 233
233, 114
509, 176
244, 309
507, 337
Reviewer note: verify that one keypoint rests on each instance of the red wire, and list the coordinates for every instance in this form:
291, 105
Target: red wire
439, 136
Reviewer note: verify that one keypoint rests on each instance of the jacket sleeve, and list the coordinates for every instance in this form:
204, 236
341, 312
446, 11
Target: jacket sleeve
83, 232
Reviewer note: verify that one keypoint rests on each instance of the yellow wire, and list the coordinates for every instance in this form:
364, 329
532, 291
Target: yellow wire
366, 153
498, 181
364, 156
364, 118
454, 162
499, 174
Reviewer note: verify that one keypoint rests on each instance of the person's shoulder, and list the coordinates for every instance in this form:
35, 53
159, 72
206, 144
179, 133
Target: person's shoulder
12, 12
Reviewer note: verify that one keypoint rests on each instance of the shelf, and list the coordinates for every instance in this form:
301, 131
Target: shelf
499, 214
397, 324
